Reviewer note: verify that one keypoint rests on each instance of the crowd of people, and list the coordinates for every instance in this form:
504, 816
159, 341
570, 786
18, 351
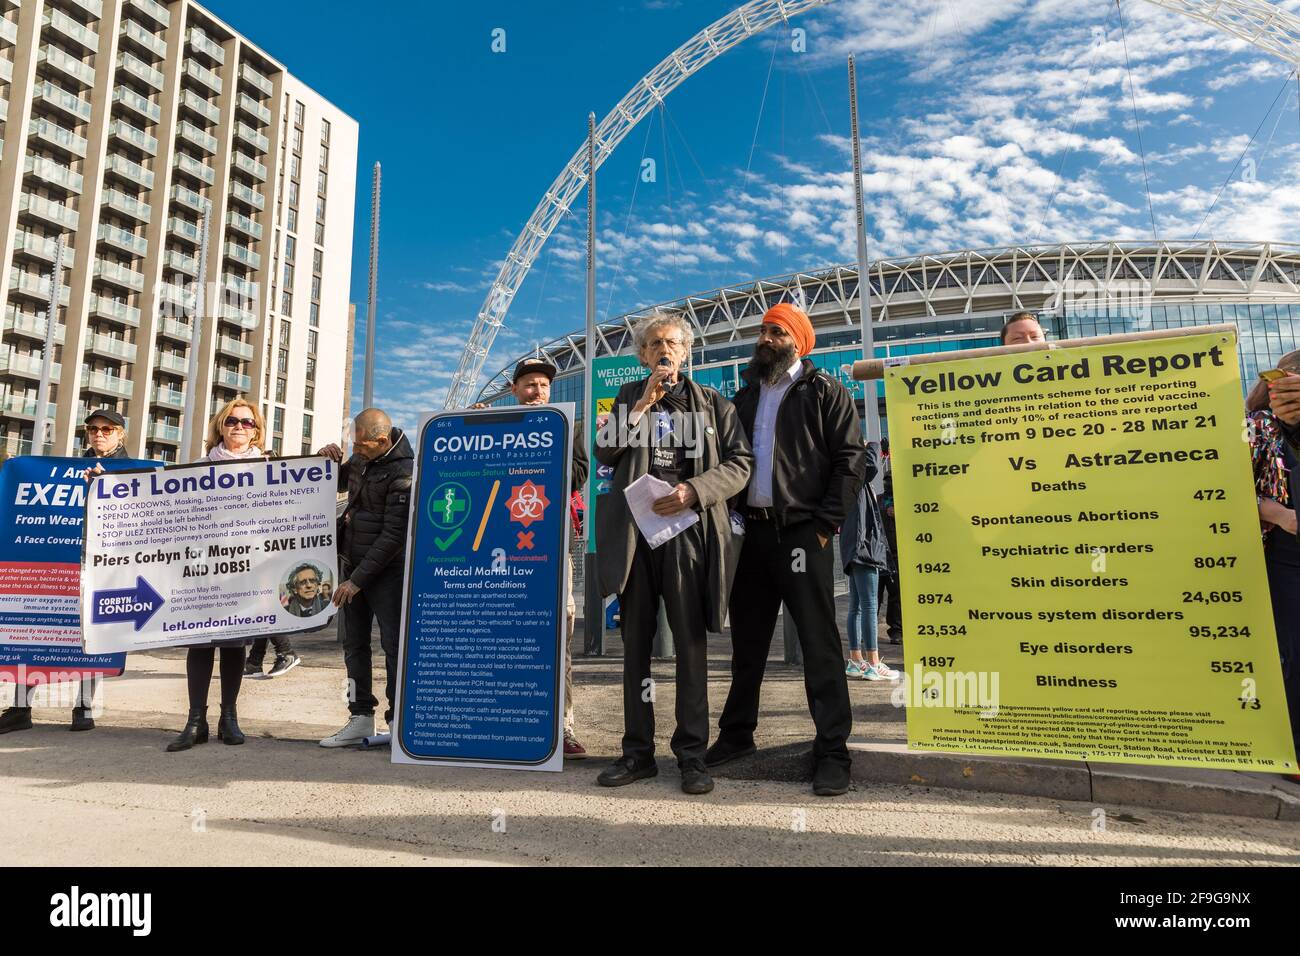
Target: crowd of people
773, 475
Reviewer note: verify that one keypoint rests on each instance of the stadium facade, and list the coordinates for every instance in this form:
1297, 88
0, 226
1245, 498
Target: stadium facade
959, 300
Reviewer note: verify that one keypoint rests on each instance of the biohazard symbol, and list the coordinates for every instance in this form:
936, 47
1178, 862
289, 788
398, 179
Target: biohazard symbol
527, 503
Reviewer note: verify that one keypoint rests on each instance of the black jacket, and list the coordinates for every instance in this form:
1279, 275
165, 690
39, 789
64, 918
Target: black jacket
118, 452
818, 458
581, 463
372, 531
862, 538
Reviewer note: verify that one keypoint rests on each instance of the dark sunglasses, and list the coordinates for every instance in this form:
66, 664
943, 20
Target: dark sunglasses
100, 429
232, 421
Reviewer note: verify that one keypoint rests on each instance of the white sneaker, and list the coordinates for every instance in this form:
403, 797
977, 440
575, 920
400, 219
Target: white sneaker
884, 671
357, 729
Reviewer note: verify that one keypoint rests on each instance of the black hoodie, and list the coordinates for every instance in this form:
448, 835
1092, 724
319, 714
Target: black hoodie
372, 531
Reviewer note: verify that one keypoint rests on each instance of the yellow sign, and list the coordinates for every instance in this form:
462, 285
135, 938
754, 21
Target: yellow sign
1081, 569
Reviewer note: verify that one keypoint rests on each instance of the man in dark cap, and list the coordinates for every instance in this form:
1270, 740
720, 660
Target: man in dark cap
531, 385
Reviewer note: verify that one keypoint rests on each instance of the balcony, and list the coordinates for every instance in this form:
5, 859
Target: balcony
153, 10
175, 259
122, 240
243, 288
202, 140
94, 7
252, 137
126, 133
169, 292
70, 29
201, 107
6, 70
202, 43
176, 329
244, 318
256, 80
106, 308
228, 346
106, 384
106, 346
189, 199
232, 379
170, 397
194, 70
186, 230
255, 109
66, 64
27, 364
145, 39
142, 71
25, 406
32, 326
47, 210
245, 225
130, 171
174, 362
9, 31
243, 254
4, 110
188, 164
48, 171
55, 135
128, 206
161, 431
141, 105
248, 195
71, 104
36, 286
250, 166
119, 275
40, 247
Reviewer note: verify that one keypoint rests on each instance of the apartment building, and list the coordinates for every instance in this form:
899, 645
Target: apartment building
204, 197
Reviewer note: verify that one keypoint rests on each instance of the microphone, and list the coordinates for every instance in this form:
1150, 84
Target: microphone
666, 361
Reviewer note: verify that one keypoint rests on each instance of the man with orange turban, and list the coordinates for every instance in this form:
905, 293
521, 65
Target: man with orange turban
809, 464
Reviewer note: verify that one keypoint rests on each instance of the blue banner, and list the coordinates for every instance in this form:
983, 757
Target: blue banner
42, 508
484, 612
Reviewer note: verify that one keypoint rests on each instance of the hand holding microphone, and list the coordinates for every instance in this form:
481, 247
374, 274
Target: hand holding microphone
663, 374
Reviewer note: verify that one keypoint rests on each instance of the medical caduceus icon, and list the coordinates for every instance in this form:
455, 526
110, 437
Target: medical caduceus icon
527, 503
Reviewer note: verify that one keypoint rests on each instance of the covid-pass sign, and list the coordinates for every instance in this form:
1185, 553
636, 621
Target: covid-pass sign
483, 625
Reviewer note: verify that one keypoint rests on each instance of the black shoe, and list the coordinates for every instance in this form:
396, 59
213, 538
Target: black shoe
895, 638
283, 664
81, 719
195, 731
722, 752
15, 718
695, 779
831, 779
228, 731
252, 670
627, 770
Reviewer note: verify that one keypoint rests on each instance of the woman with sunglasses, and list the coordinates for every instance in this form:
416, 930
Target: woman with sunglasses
235, 432
1275, 464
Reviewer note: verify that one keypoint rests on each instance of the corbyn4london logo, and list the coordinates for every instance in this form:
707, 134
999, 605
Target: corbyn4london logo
76, 909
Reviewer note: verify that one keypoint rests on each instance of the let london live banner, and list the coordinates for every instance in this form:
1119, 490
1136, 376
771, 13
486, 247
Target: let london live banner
206, 552
483, 623
42, 506
1082, 573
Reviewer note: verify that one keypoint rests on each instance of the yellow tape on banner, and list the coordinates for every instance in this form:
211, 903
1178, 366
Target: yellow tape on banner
1082, 574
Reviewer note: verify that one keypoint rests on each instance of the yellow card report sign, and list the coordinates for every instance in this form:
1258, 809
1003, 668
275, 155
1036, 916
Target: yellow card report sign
1082, 573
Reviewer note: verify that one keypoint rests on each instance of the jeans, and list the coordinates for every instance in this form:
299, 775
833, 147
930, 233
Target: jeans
380, 600
863, 624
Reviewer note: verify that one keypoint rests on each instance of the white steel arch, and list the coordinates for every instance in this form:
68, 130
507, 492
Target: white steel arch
1258, 22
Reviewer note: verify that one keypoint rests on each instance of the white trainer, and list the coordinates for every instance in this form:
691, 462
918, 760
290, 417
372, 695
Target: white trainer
357, 729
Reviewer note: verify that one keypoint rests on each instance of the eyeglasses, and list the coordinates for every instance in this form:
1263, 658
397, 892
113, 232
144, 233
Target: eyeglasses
233, 422
100, 429
660, 343
309, 582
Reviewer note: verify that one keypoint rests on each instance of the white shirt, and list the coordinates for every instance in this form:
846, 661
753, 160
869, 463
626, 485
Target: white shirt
769, 402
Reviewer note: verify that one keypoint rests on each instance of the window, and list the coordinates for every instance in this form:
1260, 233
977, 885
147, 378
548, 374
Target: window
315, 288
317, 260
292, 224
320, 232
320, 209
311, 369
288, 274
309, 396
325, 131
290, 249
293, 192
299, 110
281, 386
286, 329
324, 157
314, 318
283, 366
286, 302
306, 428
295, 166
311, 341
297, 140
320, 183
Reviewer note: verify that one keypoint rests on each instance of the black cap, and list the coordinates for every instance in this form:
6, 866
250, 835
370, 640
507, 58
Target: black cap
109, 414
529, 365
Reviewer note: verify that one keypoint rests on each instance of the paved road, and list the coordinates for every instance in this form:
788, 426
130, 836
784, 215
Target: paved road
281, 799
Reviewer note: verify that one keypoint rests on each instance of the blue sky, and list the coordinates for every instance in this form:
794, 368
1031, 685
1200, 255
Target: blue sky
985, 123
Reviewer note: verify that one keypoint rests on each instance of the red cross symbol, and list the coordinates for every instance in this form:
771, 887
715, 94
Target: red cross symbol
525, 540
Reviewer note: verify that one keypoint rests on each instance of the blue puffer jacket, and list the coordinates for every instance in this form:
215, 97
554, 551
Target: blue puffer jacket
862, 536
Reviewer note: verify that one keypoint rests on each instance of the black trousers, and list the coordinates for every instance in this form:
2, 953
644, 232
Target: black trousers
281, 643
382, 600
887, 596
788, 565
1282, 562
677, 572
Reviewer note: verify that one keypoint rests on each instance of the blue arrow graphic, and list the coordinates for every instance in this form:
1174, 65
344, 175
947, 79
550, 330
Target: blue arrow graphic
136, 604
